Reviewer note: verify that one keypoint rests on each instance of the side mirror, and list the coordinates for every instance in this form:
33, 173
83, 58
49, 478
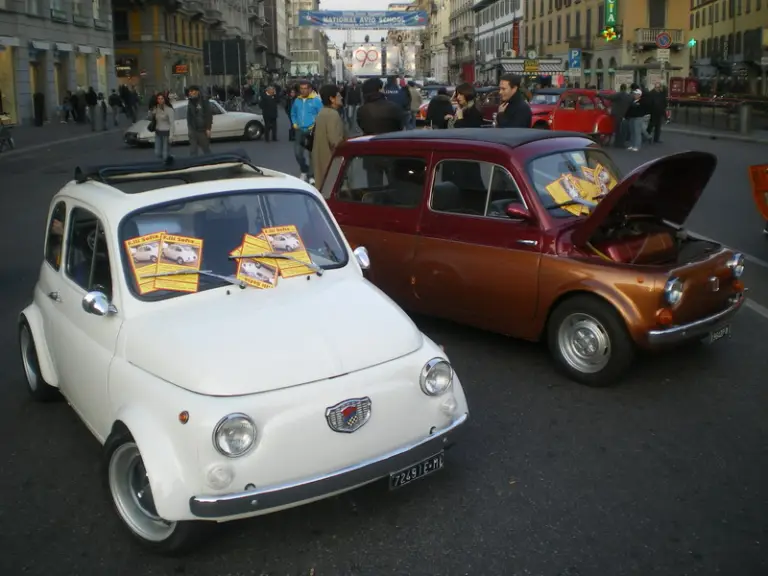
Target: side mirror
98, 304
361, 255
518, 212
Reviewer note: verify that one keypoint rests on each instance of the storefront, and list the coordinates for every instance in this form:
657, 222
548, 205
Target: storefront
7, 79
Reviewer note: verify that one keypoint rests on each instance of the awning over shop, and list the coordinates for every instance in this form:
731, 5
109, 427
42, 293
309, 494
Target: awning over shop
543, 66
9, 41
37, 45
85, 49
649, 66
61, 47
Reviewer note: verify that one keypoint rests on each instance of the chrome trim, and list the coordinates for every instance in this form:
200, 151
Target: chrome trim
695, 329
261, 499
226, 419
527, 242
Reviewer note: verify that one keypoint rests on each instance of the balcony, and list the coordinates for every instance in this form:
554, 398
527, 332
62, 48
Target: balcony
647, 36
191, 8
59, 15
456, 38
468, 32
212, 15
100, 24
447, 41
584, 43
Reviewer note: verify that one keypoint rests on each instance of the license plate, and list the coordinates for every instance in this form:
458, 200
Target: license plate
720, 333
414, 472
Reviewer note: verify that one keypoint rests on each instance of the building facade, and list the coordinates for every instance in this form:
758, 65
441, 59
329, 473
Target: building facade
728, 42
278, 54
308, 46
461, 41
439, 43
48, 47
497, 37
625, 53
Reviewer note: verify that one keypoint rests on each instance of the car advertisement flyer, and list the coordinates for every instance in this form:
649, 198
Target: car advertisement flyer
144, 252
179, 253
256, 272
566, 189
286, 240
605, 179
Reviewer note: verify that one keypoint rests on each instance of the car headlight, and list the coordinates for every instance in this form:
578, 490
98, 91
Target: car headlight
736, 264
673, 291
436, 377
234, 435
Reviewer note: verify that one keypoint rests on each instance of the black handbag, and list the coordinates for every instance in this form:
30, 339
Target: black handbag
309, 139
152, 125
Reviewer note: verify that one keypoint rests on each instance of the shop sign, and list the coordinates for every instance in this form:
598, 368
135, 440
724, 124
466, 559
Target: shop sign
531, 66
611, 13
180, 69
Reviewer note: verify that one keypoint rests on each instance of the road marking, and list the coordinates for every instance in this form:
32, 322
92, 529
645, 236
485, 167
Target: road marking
35, 147
749, 257
757, 308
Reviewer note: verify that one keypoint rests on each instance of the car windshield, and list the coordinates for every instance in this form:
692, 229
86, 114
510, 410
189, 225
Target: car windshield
572, 183
550, 99
166, 244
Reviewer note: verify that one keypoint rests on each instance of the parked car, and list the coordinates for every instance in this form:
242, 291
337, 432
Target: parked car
179, 253
534, 234
145, 253
583, 111
245, 125
348, 391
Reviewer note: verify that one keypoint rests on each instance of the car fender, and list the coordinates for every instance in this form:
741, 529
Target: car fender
35, 320
603, 125
161, 461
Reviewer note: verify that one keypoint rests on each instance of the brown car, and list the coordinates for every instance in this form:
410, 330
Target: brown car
534, 234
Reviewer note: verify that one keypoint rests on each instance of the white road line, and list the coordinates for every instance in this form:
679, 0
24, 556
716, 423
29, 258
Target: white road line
757, 308
749, 257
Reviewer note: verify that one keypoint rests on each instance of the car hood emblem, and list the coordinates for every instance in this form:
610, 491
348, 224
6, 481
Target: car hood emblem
349, 415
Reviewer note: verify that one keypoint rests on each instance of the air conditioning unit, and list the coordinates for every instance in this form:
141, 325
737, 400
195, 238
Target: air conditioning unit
509, 54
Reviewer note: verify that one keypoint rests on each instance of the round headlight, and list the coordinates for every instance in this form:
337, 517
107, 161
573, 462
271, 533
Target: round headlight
736, 264
234, 435
673, 291
436, 377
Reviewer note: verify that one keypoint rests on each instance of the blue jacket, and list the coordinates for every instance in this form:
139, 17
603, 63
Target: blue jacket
396, 94
305, 110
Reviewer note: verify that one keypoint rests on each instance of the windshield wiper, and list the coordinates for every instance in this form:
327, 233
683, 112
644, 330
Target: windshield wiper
311, 265
206, 273
568, 203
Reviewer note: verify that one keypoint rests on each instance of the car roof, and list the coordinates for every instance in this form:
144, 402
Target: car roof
550, 91
510, 137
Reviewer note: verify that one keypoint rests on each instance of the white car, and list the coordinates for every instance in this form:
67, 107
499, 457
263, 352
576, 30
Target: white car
359, 395
179, 253
145, 253
285, 243
245, 125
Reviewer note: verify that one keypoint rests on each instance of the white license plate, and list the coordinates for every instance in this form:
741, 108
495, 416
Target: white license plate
415, 471
719, 334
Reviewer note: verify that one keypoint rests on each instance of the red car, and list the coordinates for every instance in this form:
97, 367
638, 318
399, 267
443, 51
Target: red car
542, 103
584, 111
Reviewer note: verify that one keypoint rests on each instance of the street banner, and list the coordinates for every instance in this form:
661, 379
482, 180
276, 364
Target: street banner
366, 61
401, 60
352, 20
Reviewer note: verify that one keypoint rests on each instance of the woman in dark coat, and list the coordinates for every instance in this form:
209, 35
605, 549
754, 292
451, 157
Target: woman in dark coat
439, 107
467, 115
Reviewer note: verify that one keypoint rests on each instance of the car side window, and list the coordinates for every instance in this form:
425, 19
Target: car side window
216, 109
87, 253
461, 187
568, 103
55, 241
389, 181
586, 103
504, 192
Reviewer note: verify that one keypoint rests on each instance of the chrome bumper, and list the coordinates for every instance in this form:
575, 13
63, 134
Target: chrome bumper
257, 500
697, 329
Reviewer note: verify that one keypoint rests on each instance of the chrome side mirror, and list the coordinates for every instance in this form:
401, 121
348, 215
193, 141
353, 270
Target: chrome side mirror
361, 255
98, 304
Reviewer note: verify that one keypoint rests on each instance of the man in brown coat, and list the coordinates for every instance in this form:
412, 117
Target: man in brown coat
329, 132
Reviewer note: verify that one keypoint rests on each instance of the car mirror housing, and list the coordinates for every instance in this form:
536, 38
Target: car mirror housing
98, 304
361, 255
518, 212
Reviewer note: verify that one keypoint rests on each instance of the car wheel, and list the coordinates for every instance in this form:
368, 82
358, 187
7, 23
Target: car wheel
38, 388
128, 484
179, 260
253, 131
589, 341
153, 259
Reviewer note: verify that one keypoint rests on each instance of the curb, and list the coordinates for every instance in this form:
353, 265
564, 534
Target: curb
35, 147
715, 135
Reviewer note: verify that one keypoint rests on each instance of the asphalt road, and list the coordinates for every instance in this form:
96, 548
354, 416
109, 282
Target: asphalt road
666, 474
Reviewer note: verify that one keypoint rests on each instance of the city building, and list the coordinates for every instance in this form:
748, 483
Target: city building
726, 45
408, 49
439, 40
497, 37
336, 63
308, 46
461, 40
615, 40
278, 56
49, 48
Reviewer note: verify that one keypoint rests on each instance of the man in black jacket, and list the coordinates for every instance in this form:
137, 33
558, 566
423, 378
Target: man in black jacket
199, 121
620, 103
268, 106
514, 111
378, 115
657, 107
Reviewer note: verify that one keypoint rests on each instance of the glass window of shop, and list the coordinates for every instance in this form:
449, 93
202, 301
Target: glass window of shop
81, 71
101, 74
7, 84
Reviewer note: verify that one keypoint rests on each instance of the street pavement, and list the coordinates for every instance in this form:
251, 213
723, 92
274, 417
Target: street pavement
666, 474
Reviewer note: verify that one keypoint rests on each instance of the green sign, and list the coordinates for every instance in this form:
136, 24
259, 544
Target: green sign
611, 12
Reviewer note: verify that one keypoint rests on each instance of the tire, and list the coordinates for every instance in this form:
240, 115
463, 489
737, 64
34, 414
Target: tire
153, 259
599, 327
179, 260
253, 131
38, 388
128, 487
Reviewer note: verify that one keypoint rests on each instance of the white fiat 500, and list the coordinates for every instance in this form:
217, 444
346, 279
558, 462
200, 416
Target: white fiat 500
348, 390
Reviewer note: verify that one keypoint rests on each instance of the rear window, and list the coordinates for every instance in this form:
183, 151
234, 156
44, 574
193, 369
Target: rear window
572, 183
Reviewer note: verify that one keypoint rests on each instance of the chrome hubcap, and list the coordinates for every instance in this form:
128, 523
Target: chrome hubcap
29, 359
584, 343
253, 131
132, 494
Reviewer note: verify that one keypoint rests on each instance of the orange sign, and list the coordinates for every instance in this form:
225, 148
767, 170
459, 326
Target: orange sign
180, 69
758, 177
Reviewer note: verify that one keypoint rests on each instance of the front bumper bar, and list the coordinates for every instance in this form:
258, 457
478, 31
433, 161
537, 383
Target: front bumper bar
697, 329
250, 501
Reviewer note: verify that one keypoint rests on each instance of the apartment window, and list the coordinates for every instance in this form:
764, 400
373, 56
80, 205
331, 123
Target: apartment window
549, 32
567, 26
541, 8
737, 45
559, 29
758, 4
698, 19
748, 6
33, 7
731, 8
600, 16
96, 7
78, 8
120, 25
550, 6
738, 7
578, 24
690, 25
541, 32
532, 36
589, 24
711, 15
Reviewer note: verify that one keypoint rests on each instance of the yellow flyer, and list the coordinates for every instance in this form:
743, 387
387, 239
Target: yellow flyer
143, 252
286, 240
179, 253
589, 185
256, 272
604, 179
564, 189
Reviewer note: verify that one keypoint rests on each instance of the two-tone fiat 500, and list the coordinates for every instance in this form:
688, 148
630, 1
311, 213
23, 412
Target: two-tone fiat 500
286, 387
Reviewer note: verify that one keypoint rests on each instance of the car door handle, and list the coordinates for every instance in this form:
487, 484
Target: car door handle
527, 242
54, 296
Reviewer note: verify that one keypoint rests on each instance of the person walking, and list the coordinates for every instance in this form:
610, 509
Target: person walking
115, 104
416, 102
378, 115
304, 113
268, 105
162, 116
353, 101
91, 100
620, 103
635, 115
438, 109
657, 108
199, 122
514, 110
329, 132
289, 98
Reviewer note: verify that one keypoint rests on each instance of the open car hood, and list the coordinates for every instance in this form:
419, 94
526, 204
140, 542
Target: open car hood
667, 188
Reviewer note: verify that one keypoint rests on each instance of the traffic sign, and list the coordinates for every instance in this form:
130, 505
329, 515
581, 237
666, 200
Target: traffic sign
662, 54
574, 58
663, 40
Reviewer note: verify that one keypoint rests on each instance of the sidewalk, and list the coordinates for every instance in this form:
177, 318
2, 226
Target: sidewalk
756, 137
30, 138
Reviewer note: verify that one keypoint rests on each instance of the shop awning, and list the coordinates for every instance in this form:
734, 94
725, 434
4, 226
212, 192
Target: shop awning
38, 45
85, 49
61, 47
649, 66
544, 66
9, 41
105, 51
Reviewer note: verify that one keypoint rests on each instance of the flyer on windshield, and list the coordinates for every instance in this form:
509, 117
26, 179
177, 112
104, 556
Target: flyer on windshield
604, 178
256, 272
286, 240
177, 254
143, 252
565, 189
589, 185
